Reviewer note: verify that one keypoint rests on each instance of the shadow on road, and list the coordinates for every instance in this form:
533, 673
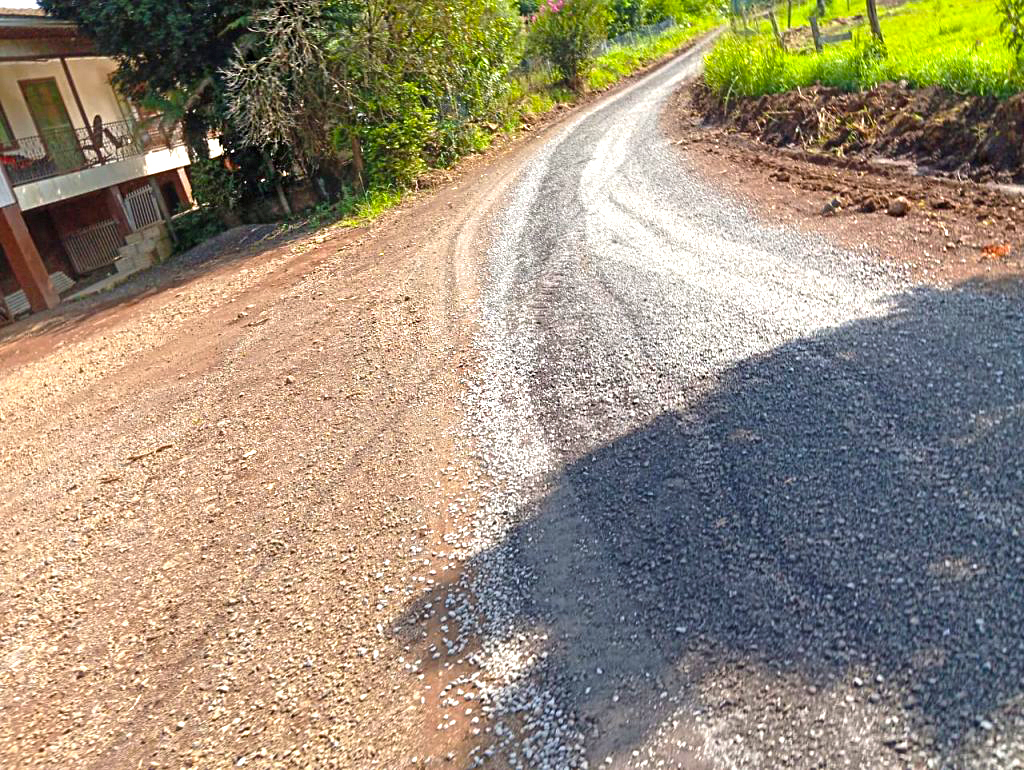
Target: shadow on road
848, 505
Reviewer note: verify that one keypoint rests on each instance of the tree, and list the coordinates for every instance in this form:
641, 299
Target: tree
401, 83
166, 47
565, 32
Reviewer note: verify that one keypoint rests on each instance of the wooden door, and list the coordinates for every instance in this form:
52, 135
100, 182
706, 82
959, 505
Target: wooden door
53, 123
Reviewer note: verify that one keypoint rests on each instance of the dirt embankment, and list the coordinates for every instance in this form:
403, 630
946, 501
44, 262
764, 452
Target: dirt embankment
981, 138
840, 164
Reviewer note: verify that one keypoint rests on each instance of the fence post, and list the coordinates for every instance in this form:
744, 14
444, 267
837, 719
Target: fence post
876, 28
789, 14
817, 34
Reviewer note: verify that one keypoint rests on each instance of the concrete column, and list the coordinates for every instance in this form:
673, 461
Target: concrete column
21, 252
115, 207
24, 259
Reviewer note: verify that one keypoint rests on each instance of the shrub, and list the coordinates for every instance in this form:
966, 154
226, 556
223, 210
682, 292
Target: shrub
216, 187
193, 227
565, 32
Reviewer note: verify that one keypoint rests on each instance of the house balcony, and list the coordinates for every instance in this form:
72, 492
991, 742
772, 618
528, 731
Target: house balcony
66, 162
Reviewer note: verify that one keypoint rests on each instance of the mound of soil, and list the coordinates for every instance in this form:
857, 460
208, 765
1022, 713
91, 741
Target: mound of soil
981, 138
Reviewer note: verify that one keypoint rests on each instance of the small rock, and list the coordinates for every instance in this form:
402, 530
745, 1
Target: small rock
831, 207
289, 380
898, 207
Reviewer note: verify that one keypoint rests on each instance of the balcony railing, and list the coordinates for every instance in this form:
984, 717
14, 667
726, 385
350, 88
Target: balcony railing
65, 150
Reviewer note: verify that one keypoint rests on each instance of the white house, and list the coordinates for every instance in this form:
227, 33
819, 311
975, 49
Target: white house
84, 167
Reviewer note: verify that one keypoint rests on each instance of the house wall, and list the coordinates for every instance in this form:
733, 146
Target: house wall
92, 77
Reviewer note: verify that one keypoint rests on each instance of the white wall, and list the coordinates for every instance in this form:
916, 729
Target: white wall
92, 77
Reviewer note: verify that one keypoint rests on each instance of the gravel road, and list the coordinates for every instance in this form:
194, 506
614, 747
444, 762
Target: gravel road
756, 501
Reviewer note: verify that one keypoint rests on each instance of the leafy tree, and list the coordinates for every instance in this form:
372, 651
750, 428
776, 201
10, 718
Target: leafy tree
566, 32
627, 15
168, 51
397, 84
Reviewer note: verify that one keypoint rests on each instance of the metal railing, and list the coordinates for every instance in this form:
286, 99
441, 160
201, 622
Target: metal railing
65, 150
141, 207
93, 247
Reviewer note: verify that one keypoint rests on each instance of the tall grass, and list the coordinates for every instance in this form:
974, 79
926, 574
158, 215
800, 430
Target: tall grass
928, 43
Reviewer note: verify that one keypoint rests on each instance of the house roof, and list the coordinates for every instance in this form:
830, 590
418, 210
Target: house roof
28, 33
22, 12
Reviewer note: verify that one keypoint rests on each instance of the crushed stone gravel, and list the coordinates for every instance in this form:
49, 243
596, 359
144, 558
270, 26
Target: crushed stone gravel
754, 500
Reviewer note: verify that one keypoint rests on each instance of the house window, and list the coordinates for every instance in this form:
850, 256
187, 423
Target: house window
7, 140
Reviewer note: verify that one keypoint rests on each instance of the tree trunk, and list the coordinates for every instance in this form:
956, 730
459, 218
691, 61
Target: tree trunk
789, 14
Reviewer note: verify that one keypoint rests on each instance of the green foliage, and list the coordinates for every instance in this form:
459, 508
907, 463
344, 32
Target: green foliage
163, 46
213, 186
193, 227
565, 33
394, 145
1012, 27
411, 80
736, 68
621, 61
963, 54
627, 15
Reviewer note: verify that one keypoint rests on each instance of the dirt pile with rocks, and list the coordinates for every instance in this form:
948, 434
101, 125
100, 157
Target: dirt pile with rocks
981, 138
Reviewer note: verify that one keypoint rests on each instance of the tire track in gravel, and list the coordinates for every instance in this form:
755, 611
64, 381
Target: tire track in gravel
756, 501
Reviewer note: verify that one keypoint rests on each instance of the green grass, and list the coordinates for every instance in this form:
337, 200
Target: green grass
539, 92
622, 61
955, 44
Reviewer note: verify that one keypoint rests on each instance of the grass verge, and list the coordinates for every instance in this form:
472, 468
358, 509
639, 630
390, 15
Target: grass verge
955, 45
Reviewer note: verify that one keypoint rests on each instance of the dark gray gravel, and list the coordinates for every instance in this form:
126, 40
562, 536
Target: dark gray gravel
757, 502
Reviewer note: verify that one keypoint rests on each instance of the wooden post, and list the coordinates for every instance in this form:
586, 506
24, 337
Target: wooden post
775, 28
185, 187
789, 14
817, 34
876, 28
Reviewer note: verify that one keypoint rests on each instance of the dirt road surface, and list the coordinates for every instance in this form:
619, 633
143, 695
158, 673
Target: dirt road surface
575, 462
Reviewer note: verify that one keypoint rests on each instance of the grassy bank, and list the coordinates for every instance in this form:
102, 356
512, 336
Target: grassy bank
956, 45
535, 93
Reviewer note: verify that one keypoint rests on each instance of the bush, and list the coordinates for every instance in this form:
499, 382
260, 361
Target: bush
193, 227
215, 187
394, 145
565, 32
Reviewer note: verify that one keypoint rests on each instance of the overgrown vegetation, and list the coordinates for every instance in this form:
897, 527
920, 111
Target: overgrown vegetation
565, 33
360, 97
956, 45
